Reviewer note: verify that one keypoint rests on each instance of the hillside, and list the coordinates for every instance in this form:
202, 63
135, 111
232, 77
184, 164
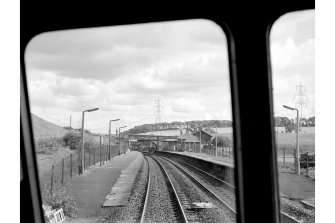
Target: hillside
193, 125
43, 128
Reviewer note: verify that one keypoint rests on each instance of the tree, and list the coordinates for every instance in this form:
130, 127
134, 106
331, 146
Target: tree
291, 127
223, 141
311, 121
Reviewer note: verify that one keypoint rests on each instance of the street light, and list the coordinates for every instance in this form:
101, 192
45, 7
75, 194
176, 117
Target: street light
109, 137
120, 138
297, 152
82, 139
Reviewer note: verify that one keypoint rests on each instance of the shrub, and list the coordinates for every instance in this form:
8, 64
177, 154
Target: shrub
290, 128
90, 143
50, 142
61, 199
72, 140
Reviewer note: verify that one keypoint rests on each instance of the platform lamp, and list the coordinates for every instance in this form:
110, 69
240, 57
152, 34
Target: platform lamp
120, 138
81, 170
109, 137
297, 152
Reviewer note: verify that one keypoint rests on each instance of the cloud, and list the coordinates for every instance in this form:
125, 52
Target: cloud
293, 60
123, 69
300, 26
187, 105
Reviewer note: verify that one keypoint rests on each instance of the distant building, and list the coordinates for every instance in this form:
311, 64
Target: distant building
205, 137
192, 144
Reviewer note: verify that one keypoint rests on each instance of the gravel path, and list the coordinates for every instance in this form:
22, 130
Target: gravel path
191, 193
159, 207
133, 210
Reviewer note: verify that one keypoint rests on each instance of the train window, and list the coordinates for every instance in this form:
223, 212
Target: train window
292, 58
102, 97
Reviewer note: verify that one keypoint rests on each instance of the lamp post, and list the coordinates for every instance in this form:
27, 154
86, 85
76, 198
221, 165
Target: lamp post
297, 152
120, 138
109, 137
82, 139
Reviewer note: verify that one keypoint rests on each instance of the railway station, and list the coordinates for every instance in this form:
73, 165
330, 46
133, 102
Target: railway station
169, 118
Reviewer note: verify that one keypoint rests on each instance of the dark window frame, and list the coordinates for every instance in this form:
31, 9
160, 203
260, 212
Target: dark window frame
250, 75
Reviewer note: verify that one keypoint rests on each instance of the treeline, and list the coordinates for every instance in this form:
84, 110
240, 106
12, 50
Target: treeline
284, 121
193, 125
291, 124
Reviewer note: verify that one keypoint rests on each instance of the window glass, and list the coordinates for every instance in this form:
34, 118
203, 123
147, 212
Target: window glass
293, 73
99, 96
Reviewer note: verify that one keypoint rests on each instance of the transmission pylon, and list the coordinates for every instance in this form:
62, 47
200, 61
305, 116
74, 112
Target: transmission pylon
301, 99
158, 111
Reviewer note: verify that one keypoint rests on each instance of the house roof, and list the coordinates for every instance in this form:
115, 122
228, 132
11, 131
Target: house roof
184, 136
202, 131
192, 138
169, 140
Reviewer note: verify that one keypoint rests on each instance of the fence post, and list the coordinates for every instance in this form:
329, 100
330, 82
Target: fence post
79, 154
94, 156
52, 179
284, 155
103, 155
100, 150
89, 158
307, 163
84, 159
106, 154
62, 171
71, 165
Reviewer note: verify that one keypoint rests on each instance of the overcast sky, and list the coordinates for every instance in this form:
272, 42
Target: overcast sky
123, 70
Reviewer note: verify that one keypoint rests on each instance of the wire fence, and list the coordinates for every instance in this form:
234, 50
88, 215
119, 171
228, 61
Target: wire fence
69, 167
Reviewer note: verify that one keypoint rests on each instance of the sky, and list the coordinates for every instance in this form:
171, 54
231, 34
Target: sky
122, 70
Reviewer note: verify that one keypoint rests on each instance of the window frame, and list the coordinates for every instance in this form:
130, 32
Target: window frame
241, 85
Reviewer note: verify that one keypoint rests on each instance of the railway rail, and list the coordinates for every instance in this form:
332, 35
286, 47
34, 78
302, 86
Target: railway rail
152, 205
220, 187
203, 186
191, 192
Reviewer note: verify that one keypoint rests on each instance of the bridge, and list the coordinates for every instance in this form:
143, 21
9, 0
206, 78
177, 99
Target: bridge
154, 137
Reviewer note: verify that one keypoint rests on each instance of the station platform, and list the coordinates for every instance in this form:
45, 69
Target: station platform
291, 185
106, 185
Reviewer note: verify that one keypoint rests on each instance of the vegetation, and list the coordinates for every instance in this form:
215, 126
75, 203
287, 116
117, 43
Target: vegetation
175, 125
223, 141
48, 143
72, 139
60, 199
288, 123
68, 128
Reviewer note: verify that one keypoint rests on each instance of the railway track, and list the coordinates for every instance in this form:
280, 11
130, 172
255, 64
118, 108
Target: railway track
192, 194
224, 190
162, 203
219, 187
204, 187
